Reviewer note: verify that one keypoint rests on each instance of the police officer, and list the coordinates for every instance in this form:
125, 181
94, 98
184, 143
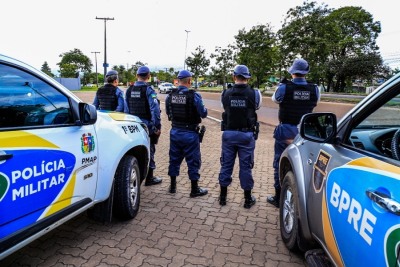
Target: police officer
109, 96
239, 126
295, 98
141, 100
185, 109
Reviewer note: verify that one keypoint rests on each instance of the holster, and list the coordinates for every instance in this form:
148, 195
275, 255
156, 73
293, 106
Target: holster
154, 138
256, 130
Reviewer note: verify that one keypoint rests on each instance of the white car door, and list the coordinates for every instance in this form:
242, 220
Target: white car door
48, 165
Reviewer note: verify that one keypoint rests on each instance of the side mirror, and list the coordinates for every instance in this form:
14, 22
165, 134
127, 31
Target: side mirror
318, 127
87, 114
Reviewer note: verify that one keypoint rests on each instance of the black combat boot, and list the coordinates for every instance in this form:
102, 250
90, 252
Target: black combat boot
274, 200
222, 195
249, 200
172, 187
197, 191
151, 180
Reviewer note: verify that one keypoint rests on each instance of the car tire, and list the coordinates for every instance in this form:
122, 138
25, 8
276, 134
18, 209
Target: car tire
288, 212
127, 189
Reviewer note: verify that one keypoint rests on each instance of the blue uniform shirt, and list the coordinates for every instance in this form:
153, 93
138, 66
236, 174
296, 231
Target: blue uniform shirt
198, 102
120, 97
155, 123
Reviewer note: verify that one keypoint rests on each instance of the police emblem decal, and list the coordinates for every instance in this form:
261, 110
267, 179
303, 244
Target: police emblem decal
87, 143
320, 167
4, 185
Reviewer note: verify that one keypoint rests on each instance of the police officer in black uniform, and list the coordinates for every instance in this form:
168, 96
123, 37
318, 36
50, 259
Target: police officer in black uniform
185, 109
109, 96
240, 129
295, 98
141, 101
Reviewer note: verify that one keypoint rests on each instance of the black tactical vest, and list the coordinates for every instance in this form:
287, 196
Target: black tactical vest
183, 112
240, 108
298, 100
137, 101
107, 97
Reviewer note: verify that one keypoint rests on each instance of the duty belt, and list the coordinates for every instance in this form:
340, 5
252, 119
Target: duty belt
240, 129
191, 127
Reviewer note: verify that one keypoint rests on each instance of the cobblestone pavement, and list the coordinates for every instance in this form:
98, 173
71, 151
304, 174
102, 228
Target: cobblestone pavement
176, 230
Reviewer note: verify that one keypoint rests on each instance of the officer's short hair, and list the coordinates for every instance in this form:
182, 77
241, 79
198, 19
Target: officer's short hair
184, 80
111, 76
241, 78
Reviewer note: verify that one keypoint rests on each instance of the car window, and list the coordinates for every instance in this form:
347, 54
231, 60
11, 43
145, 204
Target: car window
385, 116
376, 133
25, 100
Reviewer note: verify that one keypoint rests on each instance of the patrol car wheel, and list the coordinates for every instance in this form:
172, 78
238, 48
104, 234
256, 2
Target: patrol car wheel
288, 206
127, 189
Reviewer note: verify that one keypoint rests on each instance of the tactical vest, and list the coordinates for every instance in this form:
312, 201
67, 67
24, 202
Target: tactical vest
137, 101
298, 100
107, 97
240, 108
183, 112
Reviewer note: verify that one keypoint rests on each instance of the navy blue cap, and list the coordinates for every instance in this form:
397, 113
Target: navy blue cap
112, 72
242, 70
184, 74
143, 70
299, 66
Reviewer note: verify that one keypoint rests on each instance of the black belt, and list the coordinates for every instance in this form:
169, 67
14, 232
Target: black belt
191, 127
240, 129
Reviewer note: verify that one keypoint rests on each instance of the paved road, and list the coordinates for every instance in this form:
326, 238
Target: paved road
176, 230
268, 113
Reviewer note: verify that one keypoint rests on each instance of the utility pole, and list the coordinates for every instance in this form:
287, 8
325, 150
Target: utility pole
105, 64
127, 67
95, 60
187, 36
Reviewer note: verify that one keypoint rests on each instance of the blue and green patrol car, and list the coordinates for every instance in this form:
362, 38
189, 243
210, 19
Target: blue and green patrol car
341, 184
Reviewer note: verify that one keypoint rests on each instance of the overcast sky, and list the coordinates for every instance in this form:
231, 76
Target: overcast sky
152, 31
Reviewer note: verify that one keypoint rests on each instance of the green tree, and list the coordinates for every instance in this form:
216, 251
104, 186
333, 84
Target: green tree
339, 44
198, 64
305, 32
225, 61
73, 62
257, 49
354, 33
46, 69
121, 73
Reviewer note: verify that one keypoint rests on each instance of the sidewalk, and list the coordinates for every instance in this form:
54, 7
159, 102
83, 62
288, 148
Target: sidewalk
176, 230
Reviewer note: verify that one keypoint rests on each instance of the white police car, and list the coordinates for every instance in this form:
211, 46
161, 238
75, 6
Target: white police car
341, 184
60, 157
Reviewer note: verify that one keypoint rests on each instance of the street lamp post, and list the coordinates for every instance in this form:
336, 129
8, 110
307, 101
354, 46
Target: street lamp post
187, 36
95, 60
127, 67
105, 64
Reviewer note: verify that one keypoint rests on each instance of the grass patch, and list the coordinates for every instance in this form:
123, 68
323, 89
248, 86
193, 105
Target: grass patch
88, 88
